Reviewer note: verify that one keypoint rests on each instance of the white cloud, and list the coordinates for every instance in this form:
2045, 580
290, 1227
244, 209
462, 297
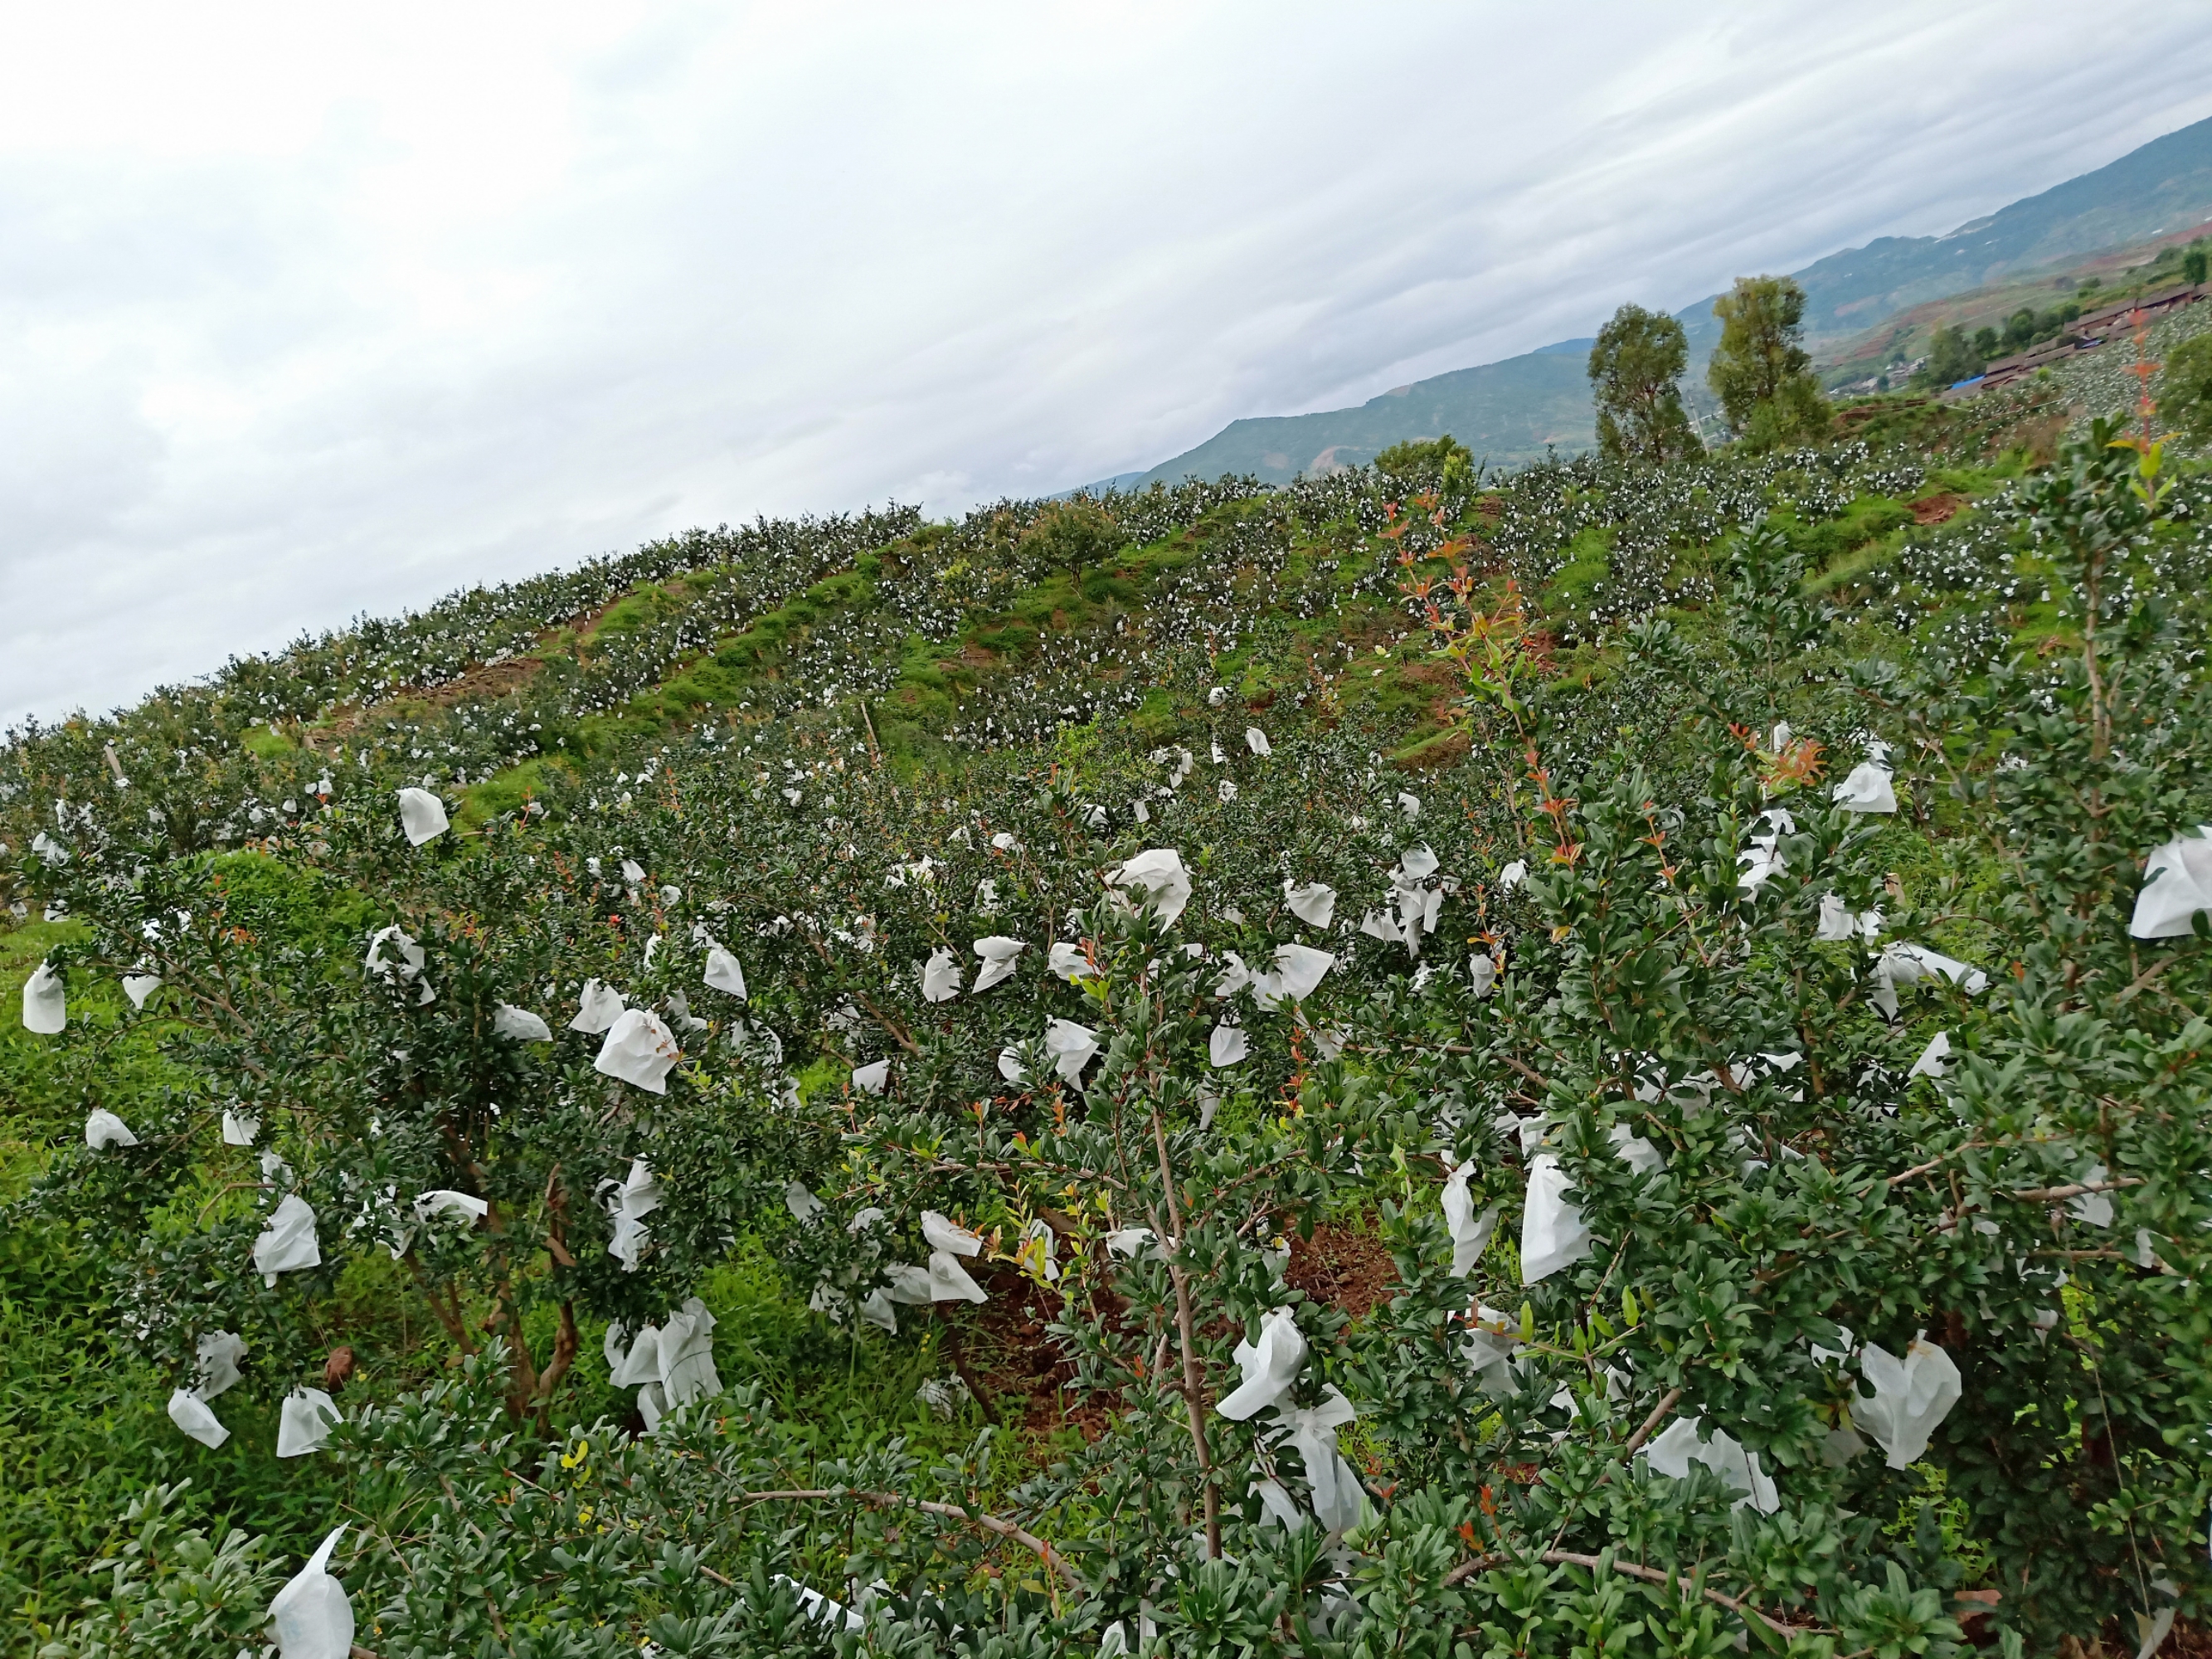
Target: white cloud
303, 314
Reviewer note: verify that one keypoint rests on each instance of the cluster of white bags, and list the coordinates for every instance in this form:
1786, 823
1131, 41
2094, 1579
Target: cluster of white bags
724, 973
600, 1005
639, 1049
1491, 1337
397, 959
941, 975
2177, 883
835, 1299
519, 1024
1070, 1046
286, 1243
1911, 1397
1414, 906
1294, 973
1270, 1368
1762, 859
439, 1203
944, 1278
103, 1129
1902, 964
629, 1201
219, 1354
996, 954
1838, 925
1910, 1400
669, 1365
1313, 903
1869, 788
1157, 876
46, 1003
1178, 761
1470, 1233
1553, 1232
304, 1422
1672, 1452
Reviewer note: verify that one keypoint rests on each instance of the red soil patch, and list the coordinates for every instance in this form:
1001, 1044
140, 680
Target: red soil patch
1447, 751
1005, 1353
1350, 1271
1005, 1348
487, 681
1935, 509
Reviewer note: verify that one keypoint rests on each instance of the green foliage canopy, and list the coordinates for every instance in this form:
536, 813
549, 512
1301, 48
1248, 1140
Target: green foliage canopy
2186, 388
1695, 1025
1760, 370
1951, 358
1635, 371
1436, 464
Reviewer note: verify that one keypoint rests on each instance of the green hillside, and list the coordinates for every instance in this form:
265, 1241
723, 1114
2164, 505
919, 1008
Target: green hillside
2165, 186
2108, 278
1514, 412
1518, 410
1418, 1062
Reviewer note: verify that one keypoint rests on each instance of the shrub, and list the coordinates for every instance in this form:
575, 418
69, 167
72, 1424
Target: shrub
1682, 1130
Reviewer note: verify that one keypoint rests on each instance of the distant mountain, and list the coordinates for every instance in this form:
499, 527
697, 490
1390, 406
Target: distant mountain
1513, 412
1510, 412
2165, 184
1118, 481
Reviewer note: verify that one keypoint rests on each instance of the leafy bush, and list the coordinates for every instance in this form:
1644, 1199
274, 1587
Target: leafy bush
1675, 1102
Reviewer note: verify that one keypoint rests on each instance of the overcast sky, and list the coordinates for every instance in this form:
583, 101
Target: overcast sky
304, 314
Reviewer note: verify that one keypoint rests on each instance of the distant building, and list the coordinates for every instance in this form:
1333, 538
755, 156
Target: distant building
2084, 334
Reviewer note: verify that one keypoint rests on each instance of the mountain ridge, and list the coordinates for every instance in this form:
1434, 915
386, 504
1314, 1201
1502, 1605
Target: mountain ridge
1516, 409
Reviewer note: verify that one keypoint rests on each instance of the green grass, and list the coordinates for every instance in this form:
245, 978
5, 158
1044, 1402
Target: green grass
510, 789
1589, 561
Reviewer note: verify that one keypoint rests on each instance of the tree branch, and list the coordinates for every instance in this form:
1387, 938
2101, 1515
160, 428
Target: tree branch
898, 1032
556, 1207
1194, 1375
1668, 1401
450, 1318
1028, 1541
2051, 1194
2142, 980
565, 1344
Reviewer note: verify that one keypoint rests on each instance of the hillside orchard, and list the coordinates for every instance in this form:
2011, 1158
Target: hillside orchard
1607, 1061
